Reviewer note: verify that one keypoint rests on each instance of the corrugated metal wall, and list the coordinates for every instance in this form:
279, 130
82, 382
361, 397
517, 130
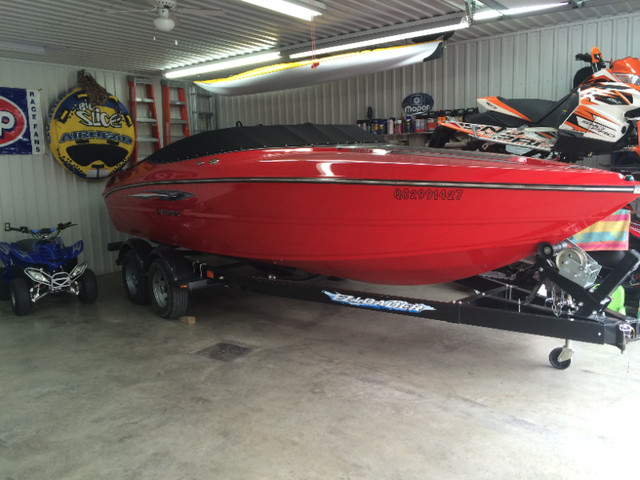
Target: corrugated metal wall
538, 63
36, 191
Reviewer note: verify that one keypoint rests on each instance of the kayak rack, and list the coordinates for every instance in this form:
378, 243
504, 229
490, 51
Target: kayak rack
494, 303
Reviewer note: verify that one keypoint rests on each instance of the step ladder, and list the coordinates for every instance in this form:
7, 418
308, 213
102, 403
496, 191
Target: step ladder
142, 106
202, 108
175, 115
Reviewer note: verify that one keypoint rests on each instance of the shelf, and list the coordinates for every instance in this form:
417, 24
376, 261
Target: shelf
397, 135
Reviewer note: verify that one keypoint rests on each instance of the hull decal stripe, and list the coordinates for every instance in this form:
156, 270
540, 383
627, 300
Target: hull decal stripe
391, 183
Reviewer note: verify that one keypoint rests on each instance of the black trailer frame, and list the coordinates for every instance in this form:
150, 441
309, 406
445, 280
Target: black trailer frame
171, 274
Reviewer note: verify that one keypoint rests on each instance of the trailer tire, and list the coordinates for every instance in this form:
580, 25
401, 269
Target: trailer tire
88, 287
134, 278
21, 296
168, 300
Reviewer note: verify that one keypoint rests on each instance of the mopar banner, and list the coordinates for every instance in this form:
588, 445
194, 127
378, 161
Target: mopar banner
20, 122
91, 141
417, 103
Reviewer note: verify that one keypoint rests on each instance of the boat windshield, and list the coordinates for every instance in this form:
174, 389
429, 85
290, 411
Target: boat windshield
251, 138
629, 78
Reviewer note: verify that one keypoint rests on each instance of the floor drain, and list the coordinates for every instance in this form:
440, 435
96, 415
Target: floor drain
227, 352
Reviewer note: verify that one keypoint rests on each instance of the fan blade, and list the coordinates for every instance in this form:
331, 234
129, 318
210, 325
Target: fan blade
117, 12
209, 12
175, 18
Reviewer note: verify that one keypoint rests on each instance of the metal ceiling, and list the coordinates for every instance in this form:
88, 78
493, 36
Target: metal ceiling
86, 34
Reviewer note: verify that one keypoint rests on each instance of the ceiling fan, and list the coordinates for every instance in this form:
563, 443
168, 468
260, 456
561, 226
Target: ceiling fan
167, 12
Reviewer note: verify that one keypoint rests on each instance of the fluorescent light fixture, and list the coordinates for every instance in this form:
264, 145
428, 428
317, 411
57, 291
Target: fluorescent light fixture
487, 14
292, 8
464, 23
490, 13
223, 65
23, 47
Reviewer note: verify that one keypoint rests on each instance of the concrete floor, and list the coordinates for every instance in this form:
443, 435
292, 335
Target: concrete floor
109, 391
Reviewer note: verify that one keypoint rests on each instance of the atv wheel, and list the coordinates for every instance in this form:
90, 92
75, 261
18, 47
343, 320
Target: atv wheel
88, 287
20, 296
5, 292
134, 278
168, 300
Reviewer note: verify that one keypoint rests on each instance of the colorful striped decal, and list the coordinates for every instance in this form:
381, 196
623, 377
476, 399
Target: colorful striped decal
610, 233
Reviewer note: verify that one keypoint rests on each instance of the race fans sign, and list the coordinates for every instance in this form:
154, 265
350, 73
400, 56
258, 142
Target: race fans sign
20, 122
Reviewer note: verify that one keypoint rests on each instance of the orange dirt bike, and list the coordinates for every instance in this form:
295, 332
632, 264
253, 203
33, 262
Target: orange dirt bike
600, 115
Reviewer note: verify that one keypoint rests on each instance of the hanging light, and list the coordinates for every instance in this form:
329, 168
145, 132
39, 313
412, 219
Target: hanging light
163, 22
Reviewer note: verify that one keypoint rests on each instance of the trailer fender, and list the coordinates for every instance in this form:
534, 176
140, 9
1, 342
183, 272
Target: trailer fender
138, 245
181, 269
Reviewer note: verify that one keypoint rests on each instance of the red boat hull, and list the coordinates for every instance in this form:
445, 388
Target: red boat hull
376, 215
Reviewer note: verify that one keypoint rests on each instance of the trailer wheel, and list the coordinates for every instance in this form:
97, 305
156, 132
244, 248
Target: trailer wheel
134, 278
168, 300
555, 363
20, 296
88, 287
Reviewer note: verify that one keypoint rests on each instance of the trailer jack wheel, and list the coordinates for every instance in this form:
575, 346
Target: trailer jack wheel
560, 357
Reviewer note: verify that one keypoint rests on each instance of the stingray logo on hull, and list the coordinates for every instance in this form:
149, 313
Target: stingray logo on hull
393, 305
169, 195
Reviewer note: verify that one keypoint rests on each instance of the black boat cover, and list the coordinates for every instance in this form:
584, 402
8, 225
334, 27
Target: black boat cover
236, 139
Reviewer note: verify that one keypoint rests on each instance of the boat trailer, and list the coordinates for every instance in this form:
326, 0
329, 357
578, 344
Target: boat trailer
556, 306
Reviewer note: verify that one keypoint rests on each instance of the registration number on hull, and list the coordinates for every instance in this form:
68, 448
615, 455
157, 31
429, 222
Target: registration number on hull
445, 194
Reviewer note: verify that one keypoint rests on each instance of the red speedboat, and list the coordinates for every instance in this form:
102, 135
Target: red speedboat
322, 199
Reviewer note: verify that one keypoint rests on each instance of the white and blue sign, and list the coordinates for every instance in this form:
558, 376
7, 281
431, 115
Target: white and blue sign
417, 103
20, 122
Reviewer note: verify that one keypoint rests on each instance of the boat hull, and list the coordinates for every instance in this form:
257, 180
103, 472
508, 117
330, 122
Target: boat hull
370, 214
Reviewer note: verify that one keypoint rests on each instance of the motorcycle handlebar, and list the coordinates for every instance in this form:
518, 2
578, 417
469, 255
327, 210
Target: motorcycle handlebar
62, 226
23, 229
9, 228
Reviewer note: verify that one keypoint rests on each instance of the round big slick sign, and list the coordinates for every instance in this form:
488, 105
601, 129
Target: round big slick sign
91, 141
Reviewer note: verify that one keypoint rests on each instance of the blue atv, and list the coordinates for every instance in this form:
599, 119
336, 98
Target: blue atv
35, 267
